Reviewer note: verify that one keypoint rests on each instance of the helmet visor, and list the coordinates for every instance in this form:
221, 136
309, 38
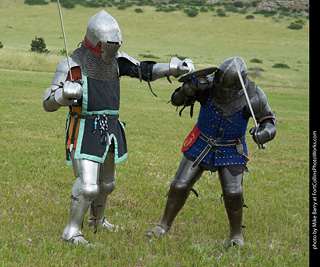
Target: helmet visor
109, 51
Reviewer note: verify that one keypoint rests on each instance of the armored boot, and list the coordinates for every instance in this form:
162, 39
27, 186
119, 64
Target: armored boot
96, 217
174, 204
180, 187
233, 201
235, 221
78, 208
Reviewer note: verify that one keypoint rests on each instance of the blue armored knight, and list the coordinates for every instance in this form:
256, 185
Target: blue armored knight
217, 142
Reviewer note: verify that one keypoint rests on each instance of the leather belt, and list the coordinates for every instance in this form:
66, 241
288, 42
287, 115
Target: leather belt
214, 142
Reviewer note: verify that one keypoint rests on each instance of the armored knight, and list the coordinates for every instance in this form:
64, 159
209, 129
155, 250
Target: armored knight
88, 83
217, 142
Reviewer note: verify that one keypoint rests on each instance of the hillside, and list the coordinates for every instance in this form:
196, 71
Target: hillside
295, 6
36, 185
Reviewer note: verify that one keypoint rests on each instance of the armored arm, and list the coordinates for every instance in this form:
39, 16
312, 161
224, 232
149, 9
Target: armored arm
150, 70
62, 92
265, 117
190, 88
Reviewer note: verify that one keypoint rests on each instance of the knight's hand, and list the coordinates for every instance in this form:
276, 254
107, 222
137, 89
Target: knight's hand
179, 67
189, 88
72, 90
253, 132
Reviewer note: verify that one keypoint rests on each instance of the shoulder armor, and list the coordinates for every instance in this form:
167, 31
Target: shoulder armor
127, 57
259, 104
62, 72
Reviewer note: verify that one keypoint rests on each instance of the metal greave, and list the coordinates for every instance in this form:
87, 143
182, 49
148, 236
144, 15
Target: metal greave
78, 209
233, 201
179, 191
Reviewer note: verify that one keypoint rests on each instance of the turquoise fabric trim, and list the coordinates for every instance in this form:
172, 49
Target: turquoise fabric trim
116, 156
117, 159
101, 112
84, 94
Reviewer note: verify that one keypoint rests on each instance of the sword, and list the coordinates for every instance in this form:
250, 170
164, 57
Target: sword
65, 40
261, 146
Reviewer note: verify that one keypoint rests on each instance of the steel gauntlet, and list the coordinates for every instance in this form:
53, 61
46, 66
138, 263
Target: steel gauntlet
175, 67
266, 130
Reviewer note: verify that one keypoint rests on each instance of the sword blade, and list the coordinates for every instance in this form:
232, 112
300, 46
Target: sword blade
249, 104
64, 38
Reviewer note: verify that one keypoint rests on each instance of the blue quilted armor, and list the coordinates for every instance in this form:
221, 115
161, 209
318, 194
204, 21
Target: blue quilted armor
221, 137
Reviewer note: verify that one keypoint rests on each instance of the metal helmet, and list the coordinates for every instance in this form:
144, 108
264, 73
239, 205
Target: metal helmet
227, 83
103, 37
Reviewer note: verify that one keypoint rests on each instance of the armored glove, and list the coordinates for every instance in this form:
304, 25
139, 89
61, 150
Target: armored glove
175, 67
72, 90
265, 133
179, 67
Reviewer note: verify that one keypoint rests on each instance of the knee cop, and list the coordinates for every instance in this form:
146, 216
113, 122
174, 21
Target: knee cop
87, 190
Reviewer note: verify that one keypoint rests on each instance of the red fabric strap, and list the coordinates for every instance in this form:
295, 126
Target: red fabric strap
96, 50
191, 138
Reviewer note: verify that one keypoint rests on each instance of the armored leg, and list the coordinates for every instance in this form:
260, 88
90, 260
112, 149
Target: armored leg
179, 191
233, 200
84, 190
107, 185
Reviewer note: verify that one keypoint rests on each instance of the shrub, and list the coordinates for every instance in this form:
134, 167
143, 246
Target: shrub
138, 10
250, 17
35, 2
280, 66
148, 56
266, 13
1, 45
191, 12
256, 60
178, 56
221, 13
297, 25
203, 9
38, 45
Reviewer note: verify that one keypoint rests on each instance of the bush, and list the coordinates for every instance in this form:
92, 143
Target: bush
250, 17
67, 4
256, 60
191, 12
280, 66
38, 45
35, 2
1, 45
221, 13
297, 25
138, 10
148, 56
266, 13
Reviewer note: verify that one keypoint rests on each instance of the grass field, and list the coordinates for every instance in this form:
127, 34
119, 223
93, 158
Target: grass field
36, 184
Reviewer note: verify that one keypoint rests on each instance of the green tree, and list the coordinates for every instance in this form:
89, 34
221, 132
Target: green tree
38, 45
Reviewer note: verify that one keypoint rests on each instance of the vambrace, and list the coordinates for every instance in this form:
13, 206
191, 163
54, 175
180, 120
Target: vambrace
54, 96
175, 67
265, 117
186, 95
266, 130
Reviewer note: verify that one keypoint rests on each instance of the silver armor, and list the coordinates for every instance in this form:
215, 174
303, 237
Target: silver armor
95, 181
54, 96
99, 62
175, 67
103, 32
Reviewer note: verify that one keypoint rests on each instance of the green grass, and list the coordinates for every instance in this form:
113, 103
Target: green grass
36, 183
